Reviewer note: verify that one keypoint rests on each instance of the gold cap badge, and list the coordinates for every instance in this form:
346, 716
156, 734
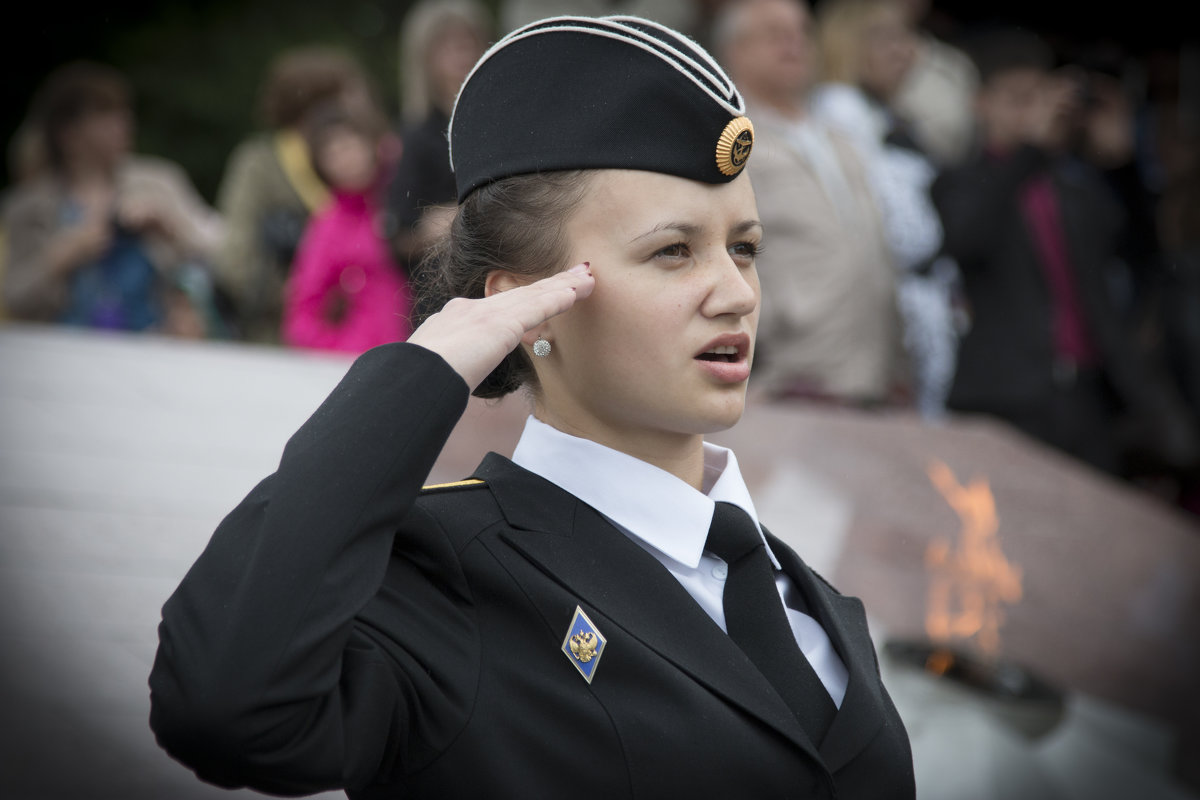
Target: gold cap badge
733, 148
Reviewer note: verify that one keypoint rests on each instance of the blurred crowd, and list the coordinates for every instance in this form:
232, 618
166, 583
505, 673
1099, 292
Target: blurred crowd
959, 218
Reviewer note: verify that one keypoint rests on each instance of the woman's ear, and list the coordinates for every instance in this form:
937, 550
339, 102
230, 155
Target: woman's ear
500, 280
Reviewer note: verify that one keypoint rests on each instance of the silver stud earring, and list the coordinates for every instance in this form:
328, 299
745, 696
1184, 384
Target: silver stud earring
541, 348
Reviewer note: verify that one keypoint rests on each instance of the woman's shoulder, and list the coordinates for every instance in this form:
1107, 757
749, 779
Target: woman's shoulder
463, 509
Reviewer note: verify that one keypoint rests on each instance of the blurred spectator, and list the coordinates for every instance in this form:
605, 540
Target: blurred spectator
98, 236
1035, 232
829, 326
1177, 150
345, 292
26, 161
440, 42
269, 188
27, 156
1105, 137
682, 15
936, 94
867, 49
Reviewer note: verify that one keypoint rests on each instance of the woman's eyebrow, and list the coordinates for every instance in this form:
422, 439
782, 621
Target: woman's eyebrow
746, 226
684, 228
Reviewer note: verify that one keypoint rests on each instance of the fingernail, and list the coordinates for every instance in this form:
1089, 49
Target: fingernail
581, 269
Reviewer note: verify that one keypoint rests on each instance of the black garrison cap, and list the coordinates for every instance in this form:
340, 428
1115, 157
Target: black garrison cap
593, 93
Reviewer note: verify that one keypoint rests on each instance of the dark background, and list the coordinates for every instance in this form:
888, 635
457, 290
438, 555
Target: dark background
196, 66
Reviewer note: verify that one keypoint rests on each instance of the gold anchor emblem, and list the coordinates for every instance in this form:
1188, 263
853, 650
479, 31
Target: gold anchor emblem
734, 145
583, 645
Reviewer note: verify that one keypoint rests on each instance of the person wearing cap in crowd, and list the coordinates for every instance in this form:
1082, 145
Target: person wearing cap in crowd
601, 615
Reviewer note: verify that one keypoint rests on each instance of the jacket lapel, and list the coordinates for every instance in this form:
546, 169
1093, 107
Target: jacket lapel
845, 621
575, 546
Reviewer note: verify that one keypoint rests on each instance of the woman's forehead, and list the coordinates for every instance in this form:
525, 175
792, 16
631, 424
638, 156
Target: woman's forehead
644, 200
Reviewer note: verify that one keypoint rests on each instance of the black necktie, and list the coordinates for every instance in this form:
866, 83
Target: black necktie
757, 622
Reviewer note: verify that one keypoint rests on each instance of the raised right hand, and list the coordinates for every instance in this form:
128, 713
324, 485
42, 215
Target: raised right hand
474, 336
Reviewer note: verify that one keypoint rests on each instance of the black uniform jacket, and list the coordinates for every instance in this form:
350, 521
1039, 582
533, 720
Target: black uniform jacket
344, 628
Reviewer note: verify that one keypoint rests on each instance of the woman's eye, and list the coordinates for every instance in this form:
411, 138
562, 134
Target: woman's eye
677, 250
745, 250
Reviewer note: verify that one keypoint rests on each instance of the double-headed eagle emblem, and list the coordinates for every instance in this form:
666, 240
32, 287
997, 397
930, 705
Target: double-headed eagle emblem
583, 645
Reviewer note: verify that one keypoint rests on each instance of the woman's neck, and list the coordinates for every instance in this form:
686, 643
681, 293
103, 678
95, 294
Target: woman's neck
680, 454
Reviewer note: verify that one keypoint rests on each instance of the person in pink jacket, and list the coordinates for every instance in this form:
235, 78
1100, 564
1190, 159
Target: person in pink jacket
346, 292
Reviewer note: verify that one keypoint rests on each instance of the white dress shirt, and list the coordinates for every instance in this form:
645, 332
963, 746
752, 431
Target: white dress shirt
670, 520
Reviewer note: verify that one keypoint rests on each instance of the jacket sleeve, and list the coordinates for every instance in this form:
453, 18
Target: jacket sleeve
264, 677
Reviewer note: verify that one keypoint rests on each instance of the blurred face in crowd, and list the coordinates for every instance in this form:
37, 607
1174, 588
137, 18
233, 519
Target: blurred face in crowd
1031, 105
347, 159
771, 53
661, 349
101, 136
355, 97
888, 50
451, 55
1006, 104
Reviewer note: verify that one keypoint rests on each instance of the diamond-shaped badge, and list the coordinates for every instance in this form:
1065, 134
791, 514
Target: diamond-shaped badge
584, 644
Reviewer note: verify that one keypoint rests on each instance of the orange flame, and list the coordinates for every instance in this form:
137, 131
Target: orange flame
969, 582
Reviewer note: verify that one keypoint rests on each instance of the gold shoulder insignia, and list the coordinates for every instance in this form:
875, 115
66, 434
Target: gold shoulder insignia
439, 487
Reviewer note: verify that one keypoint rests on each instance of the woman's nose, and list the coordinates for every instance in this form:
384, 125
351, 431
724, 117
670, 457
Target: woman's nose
734, 288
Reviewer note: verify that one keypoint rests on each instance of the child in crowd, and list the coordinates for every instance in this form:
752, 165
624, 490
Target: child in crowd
345, 292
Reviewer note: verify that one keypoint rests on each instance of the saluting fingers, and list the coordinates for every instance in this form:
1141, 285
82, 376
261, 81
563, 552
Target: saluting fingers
475, 335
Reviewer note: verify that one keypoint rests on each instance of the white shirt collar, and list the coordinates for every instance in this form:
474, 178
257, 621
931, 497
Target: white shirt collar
647, 502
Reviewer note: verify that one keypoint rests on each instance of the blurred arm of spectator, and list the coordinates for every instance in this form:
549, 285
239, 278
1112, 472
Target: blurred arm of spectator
156, 197
41, 256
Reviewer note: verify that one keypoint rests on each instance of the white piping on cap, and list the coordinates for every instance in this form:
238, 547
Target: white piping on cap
619, 30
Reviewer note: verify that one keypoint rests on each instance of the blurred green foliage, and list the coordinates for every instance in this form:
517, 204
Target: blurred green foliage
196, 66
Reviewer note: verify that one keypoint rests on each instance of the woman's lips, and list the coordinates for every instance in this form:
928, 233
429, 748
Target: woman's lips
726, 358
726, 371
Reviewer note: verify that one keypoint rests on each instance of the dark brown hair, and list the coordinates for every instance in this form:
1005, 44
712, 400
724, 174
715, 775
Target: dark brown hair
302, 78
72, 92
515, 224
